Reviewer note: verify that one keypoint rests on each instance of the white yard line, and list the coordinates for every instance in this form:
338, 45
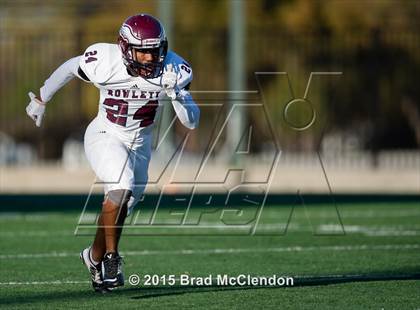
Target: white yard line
366, 230
36, 233
378, 213
177, 279
374, 230
362, 247
56, 282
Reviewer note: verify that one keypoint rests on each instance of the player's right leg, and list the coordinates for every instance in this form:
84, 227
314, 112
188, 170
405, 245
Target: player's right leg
94, 269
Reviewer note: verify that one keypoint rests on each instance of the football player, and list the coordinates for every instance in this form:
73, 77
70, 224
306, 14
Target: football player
134, 78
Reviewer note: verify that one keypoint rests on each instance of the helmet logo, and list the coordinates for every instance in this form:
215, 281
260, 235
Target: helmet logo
132, 32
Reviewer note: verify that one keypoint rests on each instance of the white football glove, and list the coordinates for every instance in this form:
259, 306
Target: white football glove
169, 79
35, 109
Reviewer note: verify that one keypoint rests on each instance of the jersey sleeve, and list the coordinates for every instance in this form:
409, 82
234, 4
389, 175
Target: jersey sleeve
183, 68
185, 75
60, 77
186, 109
94, 62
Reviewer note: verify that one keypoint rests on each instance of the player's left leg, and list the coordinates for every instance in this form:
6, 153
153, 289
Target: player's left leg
120, 199
116, 207
114, 212
110, 224
99, 247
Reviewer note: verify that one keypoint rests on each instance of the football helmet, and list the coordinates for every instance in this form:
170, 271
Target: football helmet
145, 34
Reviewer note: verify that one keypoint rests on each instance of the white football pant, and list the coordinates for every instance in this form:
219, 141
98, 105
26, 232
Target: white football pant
118, 163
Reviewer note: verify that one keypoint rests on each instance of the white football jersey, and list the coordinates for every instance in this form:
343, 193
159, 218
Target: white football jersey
127, 104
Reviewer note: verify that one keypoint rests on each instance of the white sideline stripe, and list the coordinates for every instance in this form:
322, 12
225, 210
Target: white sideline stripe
366, 230
344, 213
57, 282
362, 247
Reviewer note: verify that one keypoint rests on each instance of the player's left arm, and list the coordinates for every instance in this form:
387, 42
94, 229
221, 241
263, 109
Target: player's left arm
176, 83
186, 109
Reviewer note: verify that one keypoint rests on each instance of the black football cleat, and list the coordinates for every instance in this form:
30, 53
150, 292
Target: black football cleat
111, 267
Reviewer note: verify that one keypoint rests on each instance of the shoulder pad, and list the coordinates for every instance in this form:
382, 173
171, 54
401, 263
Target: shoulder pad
96, 62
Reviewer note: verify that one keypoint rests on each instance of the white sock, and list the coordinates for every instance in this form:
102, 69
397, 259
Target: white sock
91, 258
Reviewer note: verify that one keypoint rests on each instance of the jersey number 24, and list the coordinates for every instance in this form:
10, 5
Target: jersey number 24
118, 112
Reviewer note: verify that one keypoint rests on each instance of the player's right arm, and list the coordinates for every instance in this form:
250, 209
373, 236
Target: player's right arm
84, 67
61, 76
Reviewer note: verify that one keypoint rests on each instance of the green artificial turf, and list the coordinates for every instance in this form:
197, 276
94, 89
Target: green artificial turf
373, 263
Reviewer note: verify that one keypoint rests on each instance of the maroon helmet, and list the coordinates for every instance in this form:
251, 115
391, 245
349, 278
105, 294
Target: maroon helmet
146, 34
